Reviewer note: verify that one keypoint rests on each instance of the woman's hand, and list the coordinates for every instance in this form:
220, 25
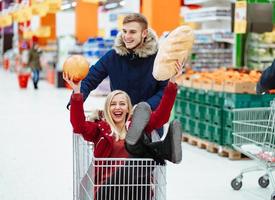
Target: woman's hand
179, 69
69, 80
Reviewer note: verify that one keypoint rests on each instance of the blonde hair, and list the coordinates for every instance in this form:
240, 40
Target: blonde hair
107, 113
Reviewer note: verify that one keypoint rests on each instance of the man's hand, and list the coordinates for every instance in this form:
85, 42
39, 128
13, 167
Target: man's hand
179, 69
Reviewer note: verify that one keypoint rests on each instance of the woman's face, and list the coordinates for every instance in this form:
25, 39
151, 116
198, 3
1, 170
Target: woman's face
119, 108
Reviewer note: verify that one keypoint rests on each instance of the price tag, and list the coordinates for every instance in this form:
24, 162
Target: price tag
240, 17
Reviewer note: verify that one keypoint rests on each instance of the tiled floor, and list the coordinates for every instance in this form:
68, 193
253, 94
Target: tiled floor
36, 152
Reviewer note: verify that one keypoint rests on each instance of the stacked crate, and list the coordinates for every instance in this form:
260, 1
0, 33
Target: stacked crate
209, 114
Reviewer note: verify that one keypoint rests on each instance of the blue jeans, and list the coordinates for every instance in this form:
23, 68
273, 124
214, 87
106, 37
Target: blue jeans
35, 77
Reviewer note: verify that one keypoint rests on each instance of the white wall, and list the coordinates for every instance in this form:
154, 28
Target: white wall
65, 23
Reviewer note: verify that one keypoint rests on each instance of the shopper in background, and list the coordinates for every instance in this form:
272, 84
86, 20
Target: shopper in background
34, 61
267, 79
129, 64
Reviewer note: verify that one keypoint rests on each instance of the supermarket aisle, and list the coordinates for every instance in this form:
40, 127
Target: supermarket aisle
36, 152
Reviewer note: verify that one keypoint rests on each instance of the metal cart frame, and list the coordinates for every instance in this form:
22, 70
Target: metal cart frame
115, 178
254, 136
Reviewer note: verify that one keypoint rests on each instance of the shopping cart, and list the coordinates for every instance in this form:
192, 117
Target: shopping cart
113, 179
254, 136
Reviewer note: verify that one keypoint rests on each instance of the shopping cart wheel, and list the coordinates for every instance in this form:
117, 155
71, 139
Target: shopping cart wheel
273, 196
263, 182
236, 184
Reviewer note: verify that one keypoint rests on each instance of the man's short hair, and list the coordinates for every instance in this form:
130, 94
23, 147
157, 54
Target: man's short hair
136, 17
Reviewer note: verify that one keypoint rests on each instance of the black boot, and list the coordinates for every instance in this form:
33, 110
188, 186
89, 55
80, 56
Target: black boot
170, 148
140, 119
140, 149
35, 86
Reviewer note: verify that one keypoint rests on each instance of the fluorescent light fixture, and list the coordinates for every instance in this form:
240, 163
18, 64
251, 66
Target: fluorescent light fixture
122, 3
66, 6
111, 6
73, 4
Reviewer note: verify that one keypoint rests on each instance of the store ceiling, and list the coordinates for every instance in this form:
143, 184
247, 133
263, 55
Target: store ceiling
107, 4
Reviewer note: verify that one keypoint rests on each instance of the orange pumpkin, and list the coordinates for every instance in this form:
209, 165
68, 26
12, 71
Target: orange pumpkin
76, 66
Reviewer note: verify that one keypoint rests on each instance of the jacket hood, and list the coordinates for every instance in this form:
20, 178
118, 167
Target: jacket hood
149, 47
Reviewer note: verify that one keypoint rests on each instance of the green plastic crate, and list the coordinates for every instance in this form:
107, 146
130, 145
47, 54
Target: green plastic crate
266, 98
200, 112
203, 132
209, 111
216, 135
199, 96
209, 130
216, 116
177, 106
218, 99
227, 136
192, 94
182, 120
187, 125
193, 110
196, 128
188, 108
234, 100
227, 118
192, 124
209, 97
182, 92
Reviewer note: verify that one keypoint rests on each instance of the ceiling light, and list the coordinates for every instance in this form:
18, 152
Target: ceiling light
111, 6
66, 6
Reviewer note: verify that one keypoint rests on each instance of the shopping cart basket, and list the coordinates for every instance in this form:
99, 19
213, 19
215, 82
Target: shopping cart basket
254, 136
113, 179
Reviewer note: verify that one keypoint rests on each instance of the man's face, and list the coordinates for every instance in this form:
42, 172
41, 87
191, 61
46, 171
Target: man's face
133, 34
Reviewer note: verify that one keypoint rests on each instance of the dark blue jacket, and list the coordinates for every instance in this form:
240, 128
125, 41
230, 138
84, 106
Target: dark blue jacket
267, 79
128, 71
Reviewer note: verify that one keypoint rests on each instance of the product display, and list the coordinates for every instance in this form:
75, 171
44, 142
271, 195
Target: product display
214, 40
260, 50
210, 56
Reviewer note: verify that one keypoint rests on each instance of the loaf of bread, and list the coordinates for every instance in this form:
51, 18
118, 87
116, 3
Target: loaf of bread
176, 46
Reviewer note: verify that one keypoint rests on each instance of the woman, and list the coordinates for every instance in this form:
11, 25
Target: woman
110, 136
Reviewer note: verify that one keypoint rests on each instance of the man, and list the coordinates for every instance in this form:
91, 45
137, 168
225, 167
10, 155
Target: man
129, 64
267, 79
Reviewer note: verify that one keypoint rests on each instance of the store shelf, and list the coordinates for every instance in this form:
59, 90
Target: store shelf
212, 35
213, 42
202, 2
210, 18
218, 51
207, 14
260, 59
262, 45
